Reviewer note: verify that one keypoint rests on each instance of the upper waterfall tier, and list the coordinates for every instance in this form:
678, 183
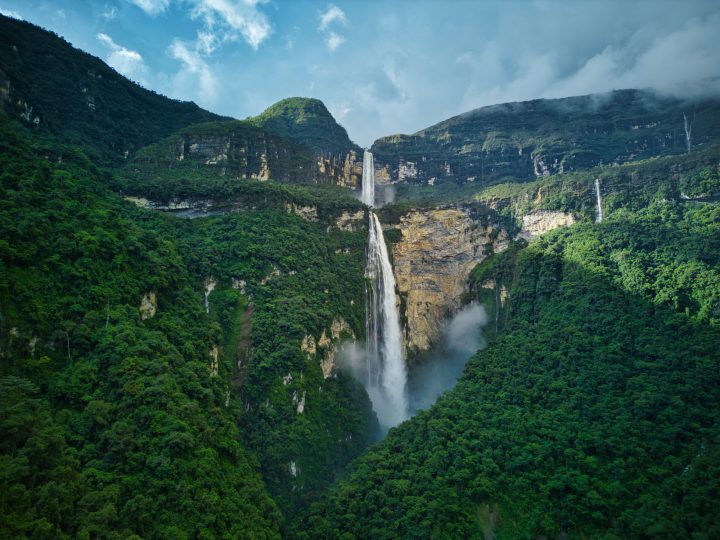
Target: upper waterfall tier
368, 179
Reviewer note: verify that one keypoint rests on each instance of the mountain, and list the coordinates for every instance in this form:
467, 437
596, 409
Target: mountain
532, 139
179, 326
308, 122
178, 365
58, 90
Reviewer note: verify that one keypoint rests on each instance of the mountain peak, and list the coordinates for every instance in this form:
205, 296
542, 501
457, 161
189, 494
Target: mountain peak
306, 121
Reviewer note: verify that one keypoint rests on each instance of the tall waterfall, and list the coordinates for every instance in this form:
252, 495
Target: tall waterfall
368, 179
385, 371
599, 211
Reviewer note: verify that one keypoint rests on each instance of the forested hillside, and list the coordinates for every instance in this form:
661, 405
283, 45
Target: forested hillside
56, 89
128, 407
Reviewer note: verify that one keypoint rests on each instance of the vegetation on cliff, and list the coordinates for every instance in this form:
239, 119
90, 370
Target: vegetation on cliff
171, 378
524, 141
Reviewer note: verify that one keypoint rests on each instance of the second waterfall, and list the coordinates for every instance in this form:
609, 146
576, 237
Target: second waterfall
385, 370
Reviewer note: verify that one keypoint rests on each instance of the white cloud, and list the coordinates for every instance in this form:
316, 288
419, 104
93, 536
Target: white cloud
229, 21
196, 80
152, 7
331, 15
110, 13
11, 13
679, 61
331, 18
334, 40
223, 21
340, 110
128, 62
206, 42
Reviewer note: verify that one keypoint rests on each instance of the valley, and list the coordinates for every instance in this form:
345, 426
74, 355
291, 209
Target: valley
505, 325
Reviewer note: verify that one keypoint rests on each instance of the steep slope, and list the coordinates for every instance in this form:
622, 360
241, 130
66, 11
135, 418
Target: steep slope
113, 422
538, 138
59, 90
593, 415
234, 149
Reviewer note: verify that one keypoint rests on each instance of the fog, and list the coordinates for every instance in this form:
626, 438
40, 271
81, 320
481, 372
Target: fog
461, 338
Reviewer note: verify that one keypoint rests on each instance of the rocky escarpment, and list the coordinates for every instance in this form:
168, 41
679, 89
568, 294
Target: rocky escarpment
542, 137
238, 149
307, 122
326, 346
432, 261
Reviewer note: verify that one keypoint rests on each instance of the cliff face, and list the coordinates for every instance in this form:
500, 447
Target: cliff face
542, 137
238, 149
432, 261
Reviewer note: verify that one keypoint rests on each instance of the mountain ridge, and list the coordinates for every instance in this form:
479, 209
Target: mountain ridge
531, 139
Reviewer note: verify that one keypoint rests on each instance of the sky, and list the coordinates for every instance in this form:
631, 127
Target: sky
385, 67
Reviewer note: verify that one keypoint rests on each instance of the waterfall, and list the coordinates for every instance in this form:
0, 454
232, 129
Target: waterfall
688, 132
599, 212
386, 375
368, 179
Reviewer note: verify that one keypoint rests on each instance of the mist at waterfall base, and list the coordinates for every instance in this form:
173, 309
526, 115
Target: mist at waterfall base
461, 337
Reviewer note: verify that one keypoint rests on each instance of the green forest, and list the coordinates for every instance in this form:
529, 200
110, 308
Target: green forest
172, 324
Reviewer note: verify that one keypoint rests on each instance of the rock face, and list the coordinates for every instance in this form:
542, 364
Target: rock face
308, 213
432, 262
537, 223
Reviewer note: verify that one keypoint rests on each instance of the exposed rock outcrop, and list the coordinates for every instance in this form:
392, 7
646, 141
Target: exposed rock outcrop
308, 213
542, 221
148, 306
329, 342
539, 138
350, 221
214, 361
432, 262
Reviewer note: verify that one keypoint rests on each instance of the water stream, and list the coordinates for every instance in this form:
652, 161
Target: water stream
385, 370
599, 211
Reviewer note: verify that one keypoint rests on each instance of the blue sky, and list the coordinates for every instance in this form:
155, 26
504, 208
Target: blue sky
386, 67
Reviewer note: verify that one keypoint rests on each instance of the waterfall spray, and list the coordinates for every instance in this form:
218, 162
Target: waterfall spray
599, 211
